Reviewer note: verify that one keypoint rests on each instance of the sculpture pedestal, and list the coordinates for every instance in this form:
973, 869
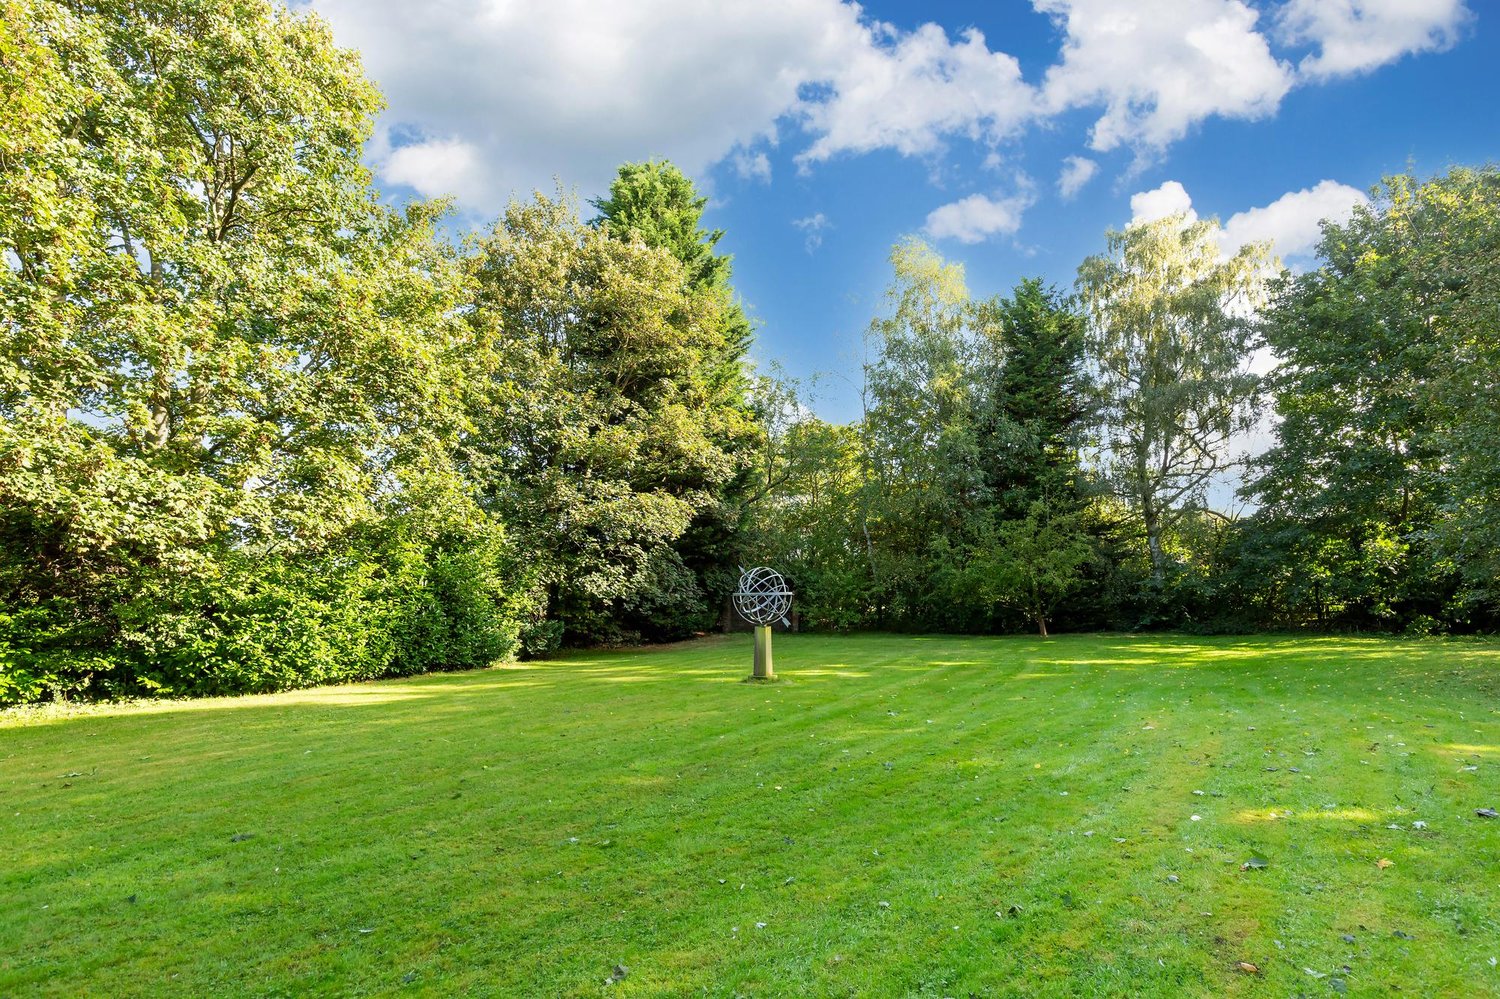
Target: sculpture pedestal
764, 670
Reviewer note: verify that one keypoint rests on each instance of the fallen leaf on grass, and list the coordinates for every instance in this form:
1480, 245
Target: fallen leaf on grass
1382, 863
1248, 968
1255, 863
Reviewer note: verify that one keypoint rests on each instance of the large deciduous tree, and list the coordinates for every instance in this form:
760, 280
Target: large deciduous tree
1170, 337
656, 203
215, 343
596, 425
1378, 495
923, 478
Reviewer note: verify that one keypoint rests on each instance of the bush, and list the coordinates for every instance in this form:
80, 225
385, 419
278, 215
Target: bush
385, 606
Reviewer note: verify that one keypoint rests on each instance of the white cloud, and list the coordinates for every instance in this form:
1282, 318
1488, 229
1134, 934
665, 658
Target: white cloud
489, 98
437, 167
1076, 172
1290, 222
522, 92
906, 92
812, 228
571, 88
1355, 36
1171, 198
752, 166
977, 217
1159, 67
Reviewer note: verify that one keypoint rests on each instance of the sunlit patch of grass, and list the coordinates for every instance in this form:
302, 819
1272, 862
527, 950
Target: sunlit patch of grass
1314, 815
905, 816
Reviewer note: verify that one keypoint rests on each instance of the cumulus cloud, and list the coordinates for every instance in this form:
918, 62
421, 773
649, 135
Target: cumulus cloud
812, 229
575, 87
1290, 223
1076, 172
1158, 67
978, 217
906, 92
499, 97
438, 167
1171, 198
490, 98
1355, 36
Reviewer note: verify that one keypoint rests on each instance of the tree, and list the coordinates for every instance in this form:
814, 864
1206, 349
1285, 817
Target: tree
1379, 487
218, 350
1034, 401
1456, 221
918, 436
656, 204
595, 429
1169, 340
1033, 562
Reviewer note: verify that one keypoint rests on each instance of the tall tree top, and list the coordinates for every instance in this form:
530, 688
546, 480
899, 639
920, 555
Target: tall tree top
658, 203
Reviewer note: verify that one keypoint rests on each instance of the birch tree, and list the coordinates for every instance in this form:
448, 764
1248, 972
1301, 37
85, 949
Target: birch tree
1170, 337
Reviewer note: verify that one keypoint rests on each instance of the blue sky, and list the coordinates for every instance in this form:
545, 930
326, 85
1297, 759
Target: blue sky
824, 132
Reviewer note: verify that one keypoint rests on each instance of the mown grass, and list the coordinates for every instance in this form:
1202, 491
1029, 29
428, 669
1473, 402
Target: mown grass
897, 817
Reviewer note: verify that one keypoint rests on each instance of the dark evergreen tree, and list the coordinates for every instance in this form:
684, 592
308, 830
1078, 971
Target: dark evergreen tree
1034, 406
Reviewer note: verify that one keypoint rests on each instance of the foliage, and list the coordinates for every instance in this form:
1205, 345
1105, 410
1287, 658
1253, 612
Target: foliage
1036, 402
658, 205
1374, 497
222, 361
959, 503
1170, 337
1032, 563
598, 432
258, 430
918, 434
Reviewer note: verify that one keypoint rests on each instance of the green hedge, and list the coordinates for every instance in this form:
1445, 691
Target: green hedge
241, 624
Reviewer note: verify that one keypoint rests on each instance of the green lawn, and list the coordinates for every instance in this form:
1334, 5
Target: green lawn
898, 816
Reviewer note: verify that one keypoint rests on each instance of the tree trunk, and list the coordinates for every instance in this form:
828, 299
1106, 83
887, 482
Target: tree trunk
1153, 540
1041, 625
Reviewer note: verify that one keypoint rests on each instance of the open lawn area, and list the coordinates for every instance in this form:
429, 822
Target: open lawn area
896, 817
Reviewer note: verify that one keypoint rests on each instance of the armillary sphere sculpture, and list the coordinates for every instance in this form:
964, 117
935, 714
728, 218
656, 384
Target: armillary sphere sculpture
763, 597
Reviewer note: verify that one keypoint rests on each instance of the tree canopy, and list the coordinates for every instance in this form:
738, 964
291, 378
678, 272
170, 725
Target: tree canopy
259, 429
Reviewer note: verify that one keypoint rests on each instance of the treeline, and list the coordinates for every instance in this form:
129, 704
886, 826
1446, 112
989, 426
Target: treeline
260, 430
1077, 458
